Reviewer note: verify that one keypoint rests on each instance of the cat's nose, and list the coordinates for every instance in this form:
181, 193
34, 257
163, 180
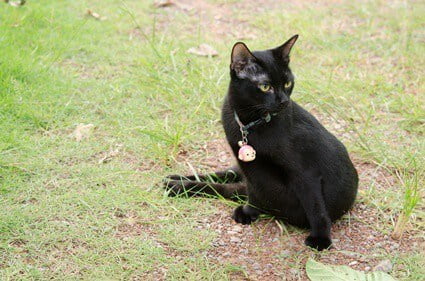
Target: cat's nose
284, 102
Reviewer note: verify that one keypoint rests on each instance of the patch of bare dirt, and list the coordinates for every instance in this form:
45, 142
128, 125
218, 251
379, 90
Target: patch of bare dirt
228, 19
218, 18
268, 254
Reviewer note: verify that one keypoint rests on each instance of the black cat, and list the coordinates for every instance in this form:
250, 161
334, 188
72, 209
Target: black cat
301, 173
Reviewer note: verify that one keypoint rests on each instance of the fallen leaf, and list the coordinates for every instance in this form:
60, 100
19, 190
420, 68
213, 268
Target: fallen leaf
82, 131
95, 15
203, 50
16, 3
163, 3
317, 271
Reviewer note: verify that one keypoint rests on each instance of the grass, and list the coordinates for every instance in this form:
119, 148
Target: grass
66, 216
410, 182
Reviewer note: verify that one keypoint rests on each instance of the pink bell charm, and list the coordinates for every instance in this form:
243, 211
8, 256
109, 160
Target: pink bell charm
246, 153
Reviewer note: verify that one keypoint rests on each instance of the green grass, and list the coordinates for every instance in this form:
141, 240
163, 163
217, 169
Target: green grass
360, 65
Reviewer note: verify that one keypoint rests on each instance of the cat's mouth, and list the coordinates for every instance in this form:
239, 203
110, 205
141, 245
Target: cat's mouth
278, 108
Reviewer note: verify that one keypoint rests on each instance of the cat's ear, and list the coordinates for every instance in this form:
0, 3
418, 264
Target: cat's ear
284, 50
241, 57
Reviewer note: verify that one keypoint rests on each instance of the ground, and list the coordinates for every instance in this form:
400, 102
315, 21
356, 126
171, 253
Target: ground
96, 107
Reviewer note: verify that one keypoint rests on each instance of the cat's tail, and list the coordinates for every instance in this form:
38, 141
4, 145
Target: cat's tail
226, 184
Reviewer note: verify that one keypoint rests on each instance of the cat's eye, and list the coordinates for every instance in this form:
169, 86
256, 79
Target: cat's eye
265, 87
288, 84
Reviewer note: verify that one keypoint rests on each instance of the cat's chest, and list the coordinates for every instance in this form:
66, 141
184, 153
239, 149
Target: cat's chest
267, 144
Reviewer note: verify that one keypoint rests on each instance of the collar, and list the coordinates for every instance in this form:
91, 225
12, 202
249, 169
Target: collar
263, 120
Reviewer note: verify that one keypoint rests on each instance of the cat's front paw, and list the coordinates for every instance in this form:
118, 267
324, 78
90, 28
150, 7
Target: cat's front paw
240, 216
318, 243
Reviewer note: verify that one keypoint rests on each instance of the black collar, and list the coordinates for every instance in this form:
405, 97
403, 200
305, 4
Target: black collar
263, 120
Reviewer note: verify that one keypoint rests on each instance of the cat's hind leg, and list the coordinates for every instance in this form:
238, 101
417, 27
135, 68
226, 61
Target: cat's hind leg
309, 192
233, 191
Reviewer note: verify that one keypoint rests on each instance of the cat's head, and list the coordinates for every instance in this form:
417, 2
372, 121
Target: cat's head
261, 81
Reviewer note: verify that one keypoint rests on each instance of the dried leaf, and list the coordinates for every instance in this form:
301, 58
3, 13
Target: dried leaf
82, 131
163, 3
203, 50
95, 15
16, 3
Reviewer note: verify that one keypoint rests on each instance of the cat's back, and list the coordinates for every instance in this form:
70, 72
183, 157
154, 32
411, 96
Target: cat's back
320, 147
306, 129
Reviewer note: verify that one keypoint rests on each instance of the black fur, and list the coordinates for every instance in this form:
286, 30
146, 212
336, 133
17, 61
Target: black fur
301, 174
